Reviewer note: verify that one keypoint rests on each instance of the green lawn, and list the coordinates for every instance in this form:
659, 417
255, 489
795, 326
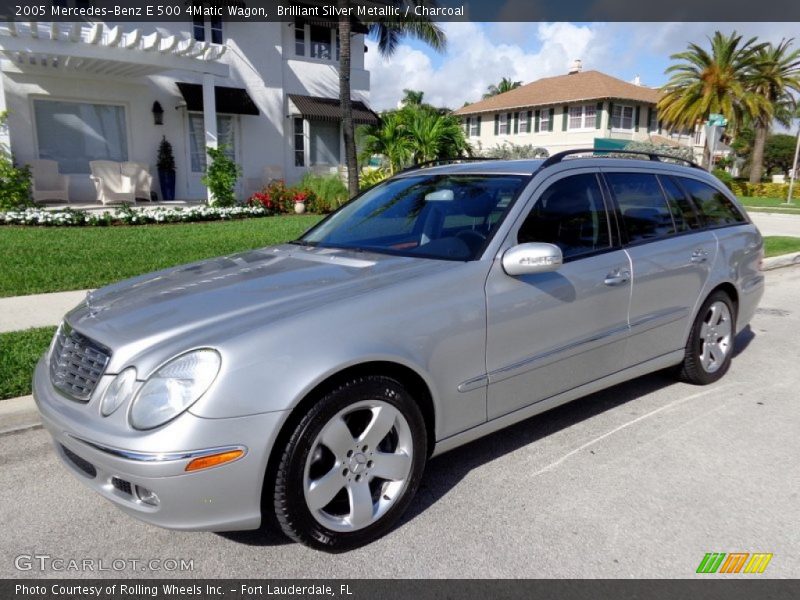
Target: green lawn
775, 245
50, 259
19, 351
771, 204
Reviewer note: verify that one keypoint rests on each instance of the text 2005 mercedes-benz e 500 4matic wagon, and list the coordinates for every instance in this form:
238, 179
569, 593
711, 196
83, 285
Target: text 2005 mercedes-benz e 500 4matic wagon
312, 381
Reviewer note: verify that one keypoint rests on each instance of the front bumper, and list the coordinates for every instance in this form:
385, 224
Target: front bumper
222, 498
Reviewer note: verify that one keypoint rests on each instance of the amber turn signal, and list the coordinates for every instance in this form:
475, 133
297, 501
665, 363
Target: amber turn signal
214, 460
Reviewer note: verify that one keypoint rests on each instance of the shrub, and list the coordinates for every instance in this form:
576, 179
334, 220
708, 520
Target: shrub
165, 160
759, 190
221, 176
371, 177
15, 182
723, 176
509, 151
275, 198
327, 192
127, 215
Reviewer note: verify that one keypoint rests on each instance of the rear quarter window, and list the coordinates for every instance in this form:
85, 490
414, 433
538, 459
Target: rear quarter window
715, 207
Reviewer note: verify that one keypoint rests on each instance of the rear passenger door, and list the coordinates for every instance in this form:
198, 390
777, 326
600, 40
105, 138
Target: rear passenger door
671, 255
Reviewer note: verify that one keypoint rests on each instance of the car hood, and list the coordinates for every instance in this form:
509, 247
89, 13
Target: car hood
252, 288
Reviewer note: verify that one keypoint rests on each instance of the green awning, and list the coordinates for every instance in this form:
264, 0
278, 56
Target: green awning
610, 144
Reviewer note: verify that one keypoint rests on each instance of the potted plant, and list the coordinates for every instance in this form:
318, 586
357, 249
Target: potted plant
166, 169
300, 202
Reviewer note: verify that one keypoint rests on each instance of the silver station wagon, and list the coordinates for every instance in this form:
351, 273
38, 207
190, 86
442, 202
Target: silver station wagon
307, 384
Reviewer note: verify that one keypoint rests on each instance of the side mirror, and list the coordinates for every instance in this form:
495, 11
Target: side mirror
527, 259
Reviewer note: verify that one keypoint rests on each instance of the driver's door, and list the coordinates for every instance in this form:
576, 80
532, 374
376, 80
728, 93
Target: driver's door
551, 332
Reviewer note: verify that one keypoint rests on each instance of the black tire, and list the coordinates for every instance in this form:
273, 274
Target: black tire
291, 509
691, 370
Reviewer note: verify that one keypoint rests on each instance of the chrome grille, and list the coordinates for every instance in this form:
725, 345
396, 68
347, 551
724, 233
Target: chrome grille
76, 363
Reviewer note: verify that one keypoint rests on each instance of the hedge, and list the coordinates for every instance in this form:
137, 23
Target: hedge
759, 190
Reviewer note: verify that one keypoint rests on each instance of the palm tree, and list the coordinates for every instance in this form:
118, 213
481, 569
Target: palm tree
715, 81
505, 85
412, 97
776, 75
434, 136
389, 35
389, 138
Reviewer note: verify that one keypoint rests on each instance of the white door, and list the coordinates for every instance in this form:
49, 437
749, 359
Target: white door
227, 135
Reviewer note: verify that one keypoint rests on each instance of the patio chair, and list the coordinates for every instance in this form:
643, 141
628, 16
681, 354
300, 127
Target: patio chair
142, 180
48, 183
112, 186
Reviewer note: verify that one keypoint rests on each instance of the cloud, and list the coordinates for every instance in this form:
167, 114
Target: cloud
480, 54
477, 56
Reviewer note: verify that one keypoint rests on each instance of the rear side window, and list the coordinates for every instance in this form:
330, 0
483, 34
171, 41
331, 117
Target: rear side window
570, 214
716, 207
683, 213
642, 205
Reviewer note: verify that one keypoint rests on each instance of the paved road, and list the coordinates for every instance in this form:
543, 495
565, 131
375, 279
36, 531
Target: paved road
776, 223
638, 481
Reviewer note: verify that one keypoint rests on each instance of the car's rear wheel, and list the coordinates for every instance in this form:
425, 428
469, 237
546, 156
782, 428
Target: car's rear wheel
710, 346
351, 466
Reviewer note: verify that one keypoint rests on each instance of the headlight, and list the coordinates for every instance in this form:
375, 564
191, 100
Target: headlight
118, 391
174, 388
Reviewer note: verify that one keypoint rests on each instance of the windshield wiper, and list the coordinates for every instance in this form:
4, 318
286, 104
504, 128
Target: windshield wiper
302, 243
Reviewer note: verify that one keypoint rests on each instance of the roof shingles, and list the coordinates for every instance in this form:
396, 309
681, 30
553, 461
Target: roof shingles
562, 89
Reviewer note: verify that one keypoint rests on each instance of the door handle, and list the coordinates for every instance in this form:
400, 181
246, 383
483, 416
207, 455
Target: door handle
617, 278
699, 256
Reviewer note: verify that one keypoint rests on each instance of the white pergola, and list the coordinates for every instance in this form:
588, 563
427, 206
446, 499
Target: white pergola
99, 50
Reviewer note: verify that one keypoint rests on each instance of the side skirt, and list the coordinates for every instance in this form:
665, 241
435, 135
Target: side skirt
470, 435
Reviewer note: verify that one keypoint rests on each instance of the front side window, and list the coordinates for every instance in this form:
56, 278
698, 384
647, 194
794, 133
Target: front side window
622, 117
683, 213
570, 214
75, 133
716, 208
446, 217
642, 205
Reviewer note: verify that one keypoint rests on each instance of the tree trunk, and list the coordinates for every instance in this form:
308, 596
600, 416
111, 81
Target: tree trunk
757, 158
348, 130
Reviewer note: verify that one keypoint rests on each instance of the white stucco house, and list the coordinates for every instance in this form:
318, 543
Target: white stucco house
580, 109
78, 92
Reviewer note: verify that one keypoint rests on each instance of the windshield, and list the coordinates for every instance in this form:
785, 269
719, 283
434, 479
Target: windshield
434, 216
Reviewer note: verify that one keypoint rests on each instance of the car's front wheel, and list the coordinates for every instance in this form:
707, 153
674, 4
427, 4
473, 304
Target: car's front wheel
351, 465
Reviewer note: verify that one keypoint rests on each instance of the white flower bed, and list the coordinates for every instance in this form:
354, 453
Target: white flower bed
130, 216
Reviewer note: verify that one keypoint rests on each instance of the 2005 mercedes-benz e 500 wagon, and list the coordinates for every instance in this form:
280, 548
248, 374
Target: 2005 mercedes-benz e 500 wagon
311, 381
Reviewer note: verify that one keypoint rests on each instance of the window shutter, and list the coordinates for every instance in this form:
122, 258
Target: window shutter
649, 116
536, 122
479, 125
610, 115
598, 117
466, 126
552, 118
530, 117
516, 122
564, 118
638, 114
497, 124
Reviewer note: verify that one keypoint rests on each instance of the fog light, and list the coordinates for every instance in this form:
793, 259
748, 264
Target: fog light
147, 496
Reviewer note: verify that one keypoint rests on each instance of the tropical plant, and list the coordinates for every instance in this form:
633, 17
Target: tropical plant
389, 139
388, 33
433, 136
775, 77
221, 176
325, 192
717, 80
509, 151
412, 97
372, 177
15, 182
505, 85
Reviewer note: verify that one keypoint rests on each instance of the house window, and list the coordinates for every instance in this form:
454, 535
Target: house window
544, 120
523, 122
299, 38
320, 42
299, 143
214, 26
582, 117
216, 30
226, 136
74, 133
652, 124
324, 143
474, 127
502, 124
199, 29
622, 117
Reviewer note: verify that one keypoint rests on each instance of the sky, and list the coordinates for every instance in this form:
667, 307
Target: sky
479, 54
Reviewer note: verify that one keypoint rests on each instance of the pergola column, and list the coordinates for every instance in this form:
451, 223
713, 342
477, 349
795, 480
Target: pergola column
209, 117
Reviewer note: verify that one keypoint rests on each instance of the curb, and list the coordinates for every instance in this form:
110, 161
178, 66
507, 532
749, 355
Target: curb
18, 415
778, 262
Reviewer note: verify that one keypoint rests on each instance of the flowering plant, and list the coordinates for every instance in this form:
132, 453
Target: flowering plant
300, 196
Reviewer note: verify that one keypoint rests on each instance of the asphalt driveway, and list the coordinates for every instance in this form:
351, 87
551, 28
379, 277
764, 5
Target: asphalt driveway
640, 480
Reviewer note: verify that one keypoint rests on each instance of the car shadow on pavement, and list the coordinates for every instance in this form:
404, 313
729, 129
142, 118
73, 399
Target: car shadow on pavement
441, 475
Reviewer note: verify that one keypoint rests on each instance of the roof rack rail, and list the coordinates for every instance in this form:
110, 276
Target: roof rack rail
445, 161
654, 156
